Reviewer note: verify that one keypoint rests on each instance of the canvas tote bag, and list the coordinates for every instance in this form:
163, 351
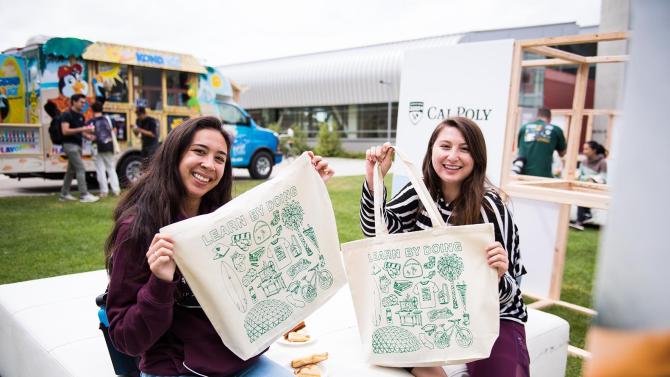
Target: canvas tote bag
265, 260
423, 298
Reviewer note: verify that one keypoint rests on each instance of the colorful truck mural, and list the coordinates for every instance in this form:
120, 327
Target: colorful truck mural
172, 87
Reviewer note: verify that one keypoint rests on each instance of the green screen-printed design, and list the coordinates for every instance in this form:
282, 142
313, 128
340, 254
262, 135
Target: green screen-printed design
394, 339
265, 316
239, 261
298, 267
262, 232
233, 287
426, 341
463, 335
220, 250
242, 240
255, 256
419, 297
412, 269
280, 251
275, 218
462, 289
393, 269
437, 314
430, 264
451, 268
409, 312
315, 277
400, 286
295, 247
309, 233
272, 281
249, 277
270, 261
292, 216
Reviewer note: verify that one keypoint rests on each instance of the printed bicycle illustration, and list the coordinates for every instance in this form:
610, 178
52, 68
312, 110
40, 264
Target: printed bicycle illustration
307, 285
463, 335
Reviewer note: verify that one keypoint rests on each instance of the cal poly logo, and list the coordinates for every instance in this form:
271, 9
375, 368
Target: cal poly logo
415, 112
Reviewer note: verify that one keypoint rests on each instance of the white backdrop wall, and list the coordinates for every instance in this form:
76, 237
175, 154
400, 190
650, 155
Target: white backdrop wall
473, 80
470, 80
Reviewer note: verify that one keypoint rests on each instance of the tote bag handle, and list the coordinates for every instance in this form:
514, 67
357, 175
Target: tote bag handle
417, 183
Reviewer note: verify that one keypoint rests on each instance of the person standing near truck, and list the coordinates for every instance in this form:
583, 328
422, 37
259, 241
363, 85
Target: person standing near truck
149, 128
73, 129
104, 160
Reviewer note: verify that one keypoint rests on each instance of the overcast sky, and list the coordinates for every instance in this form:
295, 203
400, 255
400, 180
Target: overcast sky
224, 31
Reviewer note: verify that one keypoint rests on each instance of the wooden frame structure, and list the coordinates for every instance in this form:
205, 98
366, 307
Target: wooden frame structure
566, 191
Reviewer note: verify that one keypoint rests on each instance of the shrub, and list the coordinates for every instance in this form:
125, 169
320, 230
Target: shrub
298, 140
328, 143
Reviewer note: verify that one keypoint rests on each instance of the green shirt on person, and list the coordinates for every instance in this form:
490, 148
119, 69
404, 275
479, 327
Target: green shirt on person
537, 142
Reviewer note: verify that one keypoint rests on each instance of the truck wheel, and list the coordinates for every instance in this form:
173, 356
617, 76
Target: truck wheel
129, 169
261, 165
91, 180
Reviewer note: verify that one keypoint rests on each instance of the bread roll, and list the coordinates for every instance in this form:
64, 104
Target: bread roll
312, 359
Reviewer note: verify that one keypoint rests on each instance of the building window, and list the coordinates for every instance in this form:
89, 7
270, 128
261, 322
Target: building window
372, 120
177, 88
148, 88
351, 121
115, 81
532, 87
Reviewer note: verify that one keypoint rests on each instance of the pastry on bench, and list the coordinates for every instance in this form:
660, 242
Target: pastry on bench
297, 337
308, 371
297, 327
312, 359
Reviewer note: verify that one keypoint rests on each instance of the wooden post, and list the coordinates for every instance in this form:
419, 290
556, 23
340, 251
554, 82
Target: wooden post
512, 108
559, 252
589, 127
610, 127
163, 115
517, 127
132, 118
575, 128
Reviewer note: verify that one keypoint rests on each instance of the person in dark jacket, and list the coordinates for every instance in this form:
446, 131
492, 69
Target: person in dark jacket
149, 129
152, 311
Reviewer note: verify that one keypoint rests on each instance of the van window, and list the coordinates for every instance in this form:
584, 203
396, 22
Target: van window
231, 115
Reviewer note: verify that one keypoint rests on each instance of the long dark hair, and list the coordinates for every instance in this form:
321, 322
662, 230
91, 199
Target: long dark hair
155, 199
597, 147
466, 208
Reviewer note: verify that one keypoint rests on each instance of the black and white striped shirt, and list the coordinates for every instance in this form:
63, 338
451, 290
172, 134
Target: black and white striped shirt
401, 216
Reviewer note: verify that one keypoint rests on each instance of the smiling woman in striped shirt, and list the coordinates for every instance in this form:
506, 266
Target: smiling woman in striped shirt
454, 170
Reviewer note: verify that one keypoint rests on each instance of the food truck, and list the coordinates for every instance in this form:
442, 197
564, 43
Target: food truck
172, 87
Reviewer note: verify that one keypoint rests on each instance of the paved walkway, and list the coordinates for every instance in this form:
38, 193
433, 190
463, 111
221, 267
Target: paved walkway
39, 186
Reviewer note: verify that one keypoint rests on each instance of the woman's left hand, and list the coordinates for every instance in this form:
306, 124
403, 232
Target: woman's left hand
497, 258
321, 166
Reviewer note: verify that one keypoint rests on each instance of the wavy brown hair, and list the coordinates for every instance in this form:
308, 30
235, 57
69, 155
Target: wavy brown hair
466, 208
155, 199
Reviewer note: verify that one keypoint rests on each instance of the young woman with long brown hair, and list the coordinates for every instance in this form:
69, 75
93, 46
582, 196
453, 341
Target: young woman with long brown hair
454, 171
151, 309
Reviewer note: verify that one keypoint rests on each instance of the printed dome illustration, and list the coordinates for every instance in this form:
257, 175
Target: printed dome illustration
265, 316
394, 339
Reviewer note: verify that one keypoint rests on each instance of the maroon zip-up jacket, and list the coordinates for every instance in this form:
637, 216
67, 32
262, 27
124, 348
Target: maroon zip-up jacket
168, 330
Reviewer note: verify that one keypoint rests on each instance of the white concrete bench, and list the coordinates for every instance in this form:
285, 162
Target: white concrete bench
49, 327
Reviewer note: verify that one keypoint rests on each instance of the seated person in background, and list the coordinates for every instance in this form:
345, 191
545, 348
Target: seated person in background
593, 169
537, 142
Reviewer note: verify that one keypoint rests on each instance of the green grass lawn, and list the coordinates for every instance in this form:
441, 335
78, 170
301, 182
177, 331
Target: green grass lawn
42, 237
